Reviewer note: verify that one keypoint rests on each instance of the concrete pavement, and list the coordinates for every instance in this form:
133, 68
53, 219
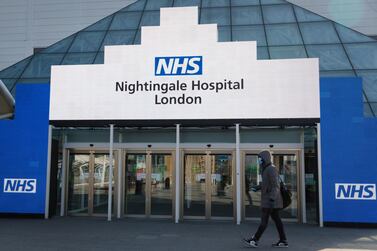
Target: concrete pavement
79, 233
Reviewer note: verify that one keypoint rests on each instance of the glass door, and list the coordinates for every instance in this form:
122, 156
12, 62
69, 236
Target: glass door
149, 184
78, 184
208, 185
287, 165
88, 183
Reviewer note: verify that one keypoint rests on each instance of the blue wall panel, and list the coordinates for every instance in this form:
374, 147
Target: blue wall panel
349, 151
23, 149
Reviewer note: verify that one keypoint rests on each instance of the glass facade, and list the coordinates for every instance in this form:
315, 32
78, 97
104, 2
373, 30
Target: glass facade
281, 30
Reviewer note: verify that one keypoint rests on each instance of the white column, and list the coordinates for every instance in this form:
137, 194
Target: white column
177, 174
302, 178
238, 174
48, 172
110, 172
320, 202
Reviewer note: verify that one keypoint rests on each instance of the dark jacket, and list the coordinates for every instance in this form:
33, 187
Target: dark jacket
270, 188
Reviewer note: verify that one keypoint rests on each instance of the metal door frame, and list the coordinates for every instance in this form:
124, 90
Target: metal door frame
296, 152
208, 186
148, 177
91, 153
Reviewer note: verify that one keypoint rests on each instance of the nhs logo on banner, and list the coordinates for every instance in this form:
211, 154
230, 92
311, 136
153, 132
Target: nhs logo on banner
187, 65
20, 185
345, 191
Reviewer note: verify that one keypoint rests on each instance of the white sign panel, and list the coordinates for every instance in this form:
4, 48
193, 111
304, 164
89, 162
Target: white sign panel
180, 72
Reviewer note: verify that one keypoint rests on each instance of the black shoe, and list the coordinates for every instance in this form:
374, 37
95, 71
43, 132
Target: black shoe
252, 242
280, 244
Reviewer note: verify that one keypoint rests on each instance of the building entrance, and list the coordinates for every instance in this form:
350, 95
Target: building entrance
287, 163
88, 183
208, 185
149, 184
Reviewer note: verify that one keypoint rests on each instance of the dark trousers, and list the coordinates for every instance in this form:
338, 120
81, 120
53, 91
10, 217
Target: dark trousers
274, 212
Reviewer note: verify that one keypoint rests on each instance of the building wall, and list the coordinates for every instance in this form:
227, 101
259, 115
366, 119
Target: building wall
360, 15
28, 24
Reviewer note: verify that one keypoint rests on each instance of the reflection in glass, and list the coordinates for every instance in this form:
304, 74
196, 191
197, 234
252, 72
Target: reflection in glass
161, 184
135, 184
252, 177
101, 184
221, 185
78, 183
287, 165
195, 185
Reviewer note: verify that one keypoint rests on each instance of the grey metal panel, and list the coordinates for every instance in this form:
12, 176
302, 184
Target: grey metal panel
6, 101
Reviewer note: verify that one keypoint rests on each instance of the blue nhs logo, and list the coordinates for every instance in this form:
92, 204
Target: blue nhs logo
344, 191
186, 65
20, 186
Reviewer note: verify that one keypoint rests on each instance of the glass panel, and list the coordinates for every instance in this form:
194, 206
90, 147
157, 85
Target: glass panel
156, 5
150, 18
101, 184
221, 185
9, 82
125, 21
262, 53
183, 3
311, 175
349, 36
374, 107
195, 185
244, 2
135, 184
59, 47
87, 41
78, 183
101, 25
15, 70
306, 16
252, 200
137, 6
40, 66
319, 33
79, 58
161, 184
118, 38
331, 57
283, 34
367, 110
224, 34
369, 84
249, 33
278, 14
282, 52
99, 58
273, 1
34, 80
220, 16
363, 56
246, 15
287, 166
337, 73
215, 3
138, 38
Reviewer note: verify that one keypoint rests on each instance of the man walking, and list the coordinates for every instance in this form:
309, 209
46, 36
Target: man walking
272, 201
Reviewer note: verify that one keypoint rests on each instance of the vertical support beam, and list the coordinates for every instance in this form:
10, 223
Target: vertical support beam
320, 201
48, 172
302, 178
64, 176
177, 173
111, 159
120, 179
238, 174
